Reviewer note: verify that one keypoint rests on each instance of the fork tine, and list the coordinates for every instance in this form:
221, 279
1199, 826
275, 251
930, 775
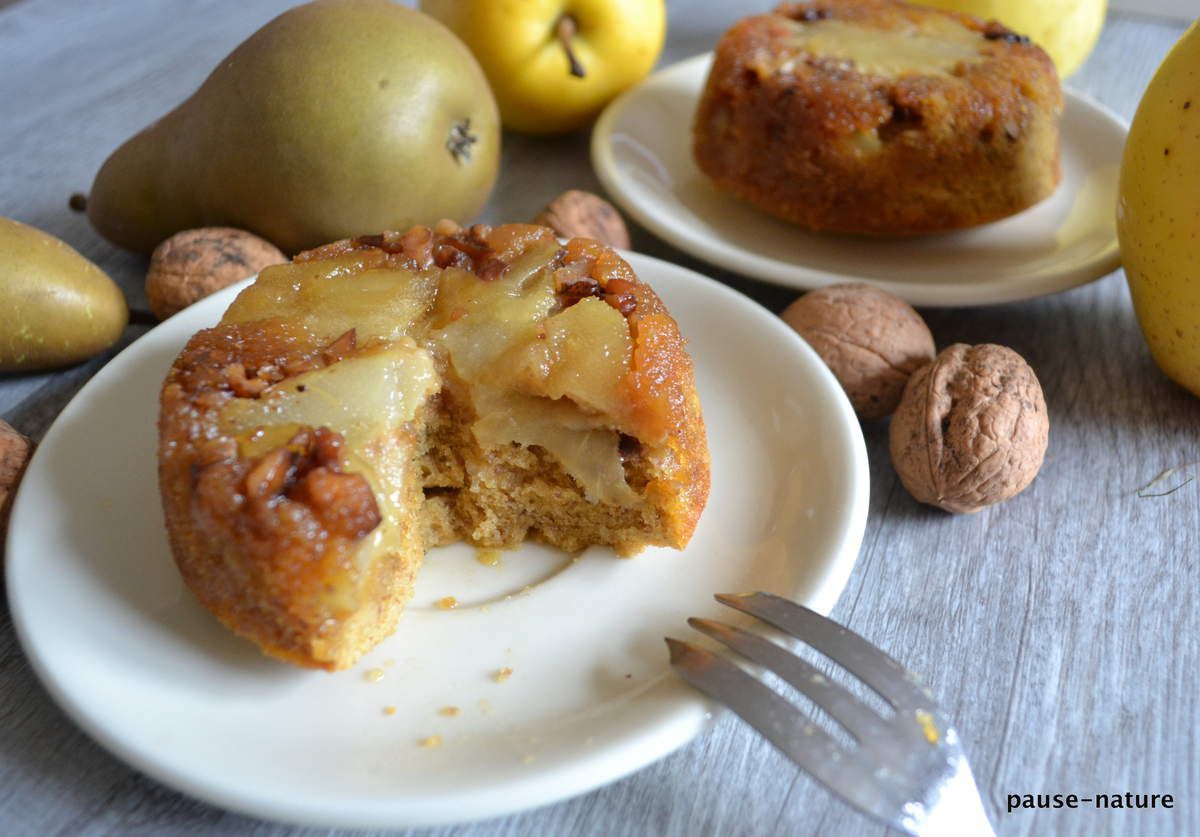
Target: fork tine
888, 678
766, 711
811, 748
785, 726
856, 717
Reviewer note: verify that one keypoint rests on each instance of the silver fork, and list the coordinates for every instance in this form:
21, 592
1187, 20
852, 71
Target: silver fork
907, 770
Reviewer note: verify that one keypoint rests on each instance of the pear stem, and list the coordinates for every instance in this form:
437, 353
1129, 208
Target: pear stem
565, 30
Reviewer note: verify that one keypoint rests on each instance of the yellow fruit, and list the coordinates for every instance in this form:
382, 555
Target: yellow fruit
1066, 29
553, 64
337, 118
1158, 212
56, 307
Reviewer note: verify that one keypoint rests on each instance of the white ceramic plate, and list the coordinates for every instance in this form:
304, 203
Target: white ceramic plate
641, 150
130, 655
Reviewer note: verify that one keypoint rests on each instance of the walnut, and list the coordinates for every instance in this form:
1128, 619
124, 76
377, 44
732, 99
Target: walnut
447, 226
971, 429
192, 264
15, 451
579, 214
870, 340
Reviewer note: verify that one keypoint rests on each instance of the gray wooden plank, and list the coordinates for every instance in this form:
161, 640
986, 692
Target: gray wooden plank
1060, 629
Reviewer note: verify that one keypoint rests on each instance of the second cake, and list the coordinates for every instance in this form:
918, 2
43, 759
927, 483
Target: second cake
880, 118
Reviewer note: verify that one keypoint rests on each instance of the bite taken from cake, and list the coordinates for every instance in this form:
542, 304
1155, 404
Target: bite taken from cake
878, 117
386, 394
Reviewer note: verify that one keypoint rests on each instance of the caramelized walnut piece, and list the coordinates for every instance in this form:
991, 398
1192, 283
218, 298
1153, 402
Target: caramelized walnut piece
269, 475
626, 304
221, 449
242, 385
308, 470
491, 269
298, 367
463, 243
343, 502
468, 250
339, 348
447, 255
269, 372
805, 13
567, 272
574, 282
327, 448
414, 247
619, 293
479, 249
364, 242
996, 31
417, 244
580, 290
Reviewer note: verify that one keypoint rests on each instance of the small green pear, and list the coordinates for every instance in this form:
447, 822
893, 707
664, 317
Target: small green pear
338, 118
56, 307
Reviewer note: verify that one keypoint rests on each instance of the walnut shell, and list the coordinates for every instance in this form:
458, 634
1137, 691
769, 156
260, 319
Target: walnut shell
192, 264
15, 451
579, 214
871, 340
971, 429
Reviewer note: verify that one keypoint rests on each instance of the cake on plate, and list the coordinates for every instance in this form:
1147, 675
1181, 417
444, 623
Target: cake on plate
385, 394
878, 117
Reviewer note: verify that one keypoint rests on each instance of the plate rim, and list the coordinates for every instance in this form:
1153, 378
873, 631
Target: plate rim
799, 277
515, 796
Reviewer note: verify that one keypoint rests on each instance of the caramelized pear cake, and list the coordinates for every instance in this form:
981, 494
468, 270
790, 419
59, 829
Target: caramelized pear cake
878, 117
382, 395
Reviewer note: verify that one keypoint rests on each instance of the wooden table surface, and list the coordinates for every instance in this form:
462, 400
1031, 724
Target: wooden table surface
1060, 628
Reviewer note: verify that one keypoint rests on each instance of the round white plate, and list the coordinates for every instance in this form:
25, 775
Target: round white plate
141, 666
642, 153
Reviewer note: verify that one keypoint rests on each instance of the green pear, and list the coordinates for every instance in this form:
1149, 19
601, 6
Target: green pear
56, 307
336, 119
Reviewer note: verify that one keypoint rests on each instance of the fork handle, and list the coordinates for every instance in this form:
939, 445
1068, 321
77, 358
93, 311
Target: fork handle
956, 812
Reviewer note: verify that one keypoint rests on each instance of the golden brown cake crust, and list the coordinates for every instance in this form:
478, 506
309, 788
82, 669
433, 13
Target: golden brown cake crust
280, 523
837, 145
268, 535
